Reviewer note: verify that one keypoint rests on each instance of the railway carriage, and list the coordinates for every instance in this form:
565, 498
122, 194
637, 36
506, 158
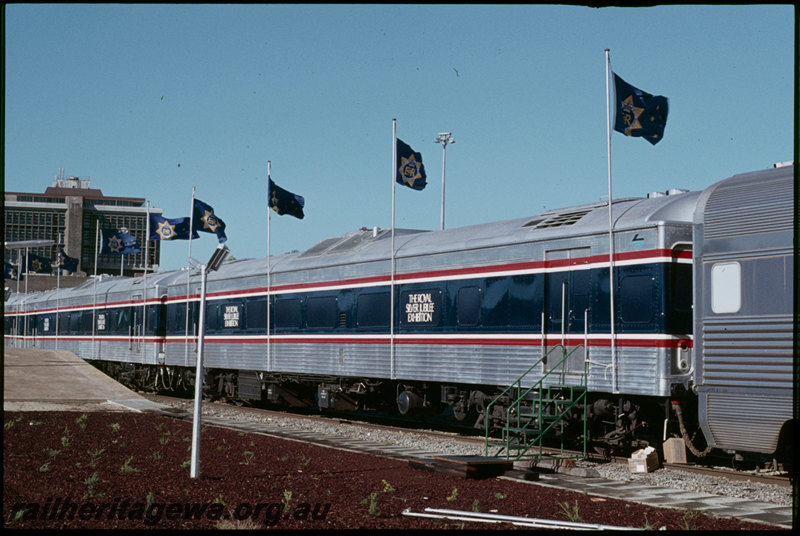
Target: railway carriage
456, 316
744, 299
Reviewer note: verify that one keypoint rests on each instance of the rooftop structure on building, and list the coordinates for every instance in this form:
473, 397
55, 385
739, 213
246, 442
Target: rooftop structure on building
68, 214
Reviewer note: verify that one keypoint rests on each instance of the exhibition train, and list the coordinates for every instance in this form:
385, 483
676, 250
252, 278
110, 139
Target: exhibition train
699, 346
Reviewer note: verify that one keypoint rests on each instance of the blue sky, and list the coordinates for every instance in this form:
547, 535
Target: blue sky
152, 100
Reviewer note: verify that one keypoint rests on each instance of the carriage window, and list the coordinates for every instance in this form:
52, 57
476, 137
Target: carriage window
636, 298
256, 314
212, 316
123, 321
287, 313
726, 287
469, 306
373, 310
321, 312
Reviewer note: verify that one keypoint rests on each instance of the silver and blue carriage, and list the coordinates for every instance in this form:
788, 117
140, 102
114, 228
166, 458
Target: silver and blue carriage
472, 306
104, 318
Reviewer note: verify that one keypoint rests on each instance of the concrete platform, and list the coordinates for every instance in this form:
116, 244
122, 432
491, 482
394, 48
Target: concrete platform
57, 380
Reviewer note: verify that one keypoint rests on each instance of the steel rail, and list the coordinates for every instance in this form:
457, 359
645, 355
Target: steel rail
460, 515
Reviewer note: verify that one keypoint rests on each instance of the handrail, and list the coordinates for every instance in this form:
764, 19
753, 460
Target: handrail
518, 384
537, 386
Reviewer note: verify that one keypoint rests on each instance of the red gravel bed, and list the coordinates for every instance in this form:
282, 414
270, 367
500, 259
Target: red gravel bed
131, 471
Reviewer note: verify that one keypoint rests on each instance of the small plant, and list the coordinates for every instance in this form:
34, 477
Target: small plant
126, 468
237, 524
65, 438
689, 519
218, 500
499, 495
8, 425
45, 468
388, 488
94, 456
52, 453
372, 500
157, 456
453, 495
81, 421
90, 482
186, 464
114, 427
248, 457
287, 498
570, 511
475, 506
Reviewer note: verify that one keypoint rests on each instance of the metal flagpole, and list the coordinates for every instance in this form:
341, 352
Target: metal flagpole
97, 239
188, 281
58, 283
144, 279
25, 321
391, 286
610, 233
269, 266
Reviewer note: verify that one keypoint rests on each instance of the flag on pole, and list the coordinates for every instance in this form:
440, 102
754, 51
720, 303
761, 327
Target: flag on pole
410, 171
285, 202
12, 273
39, 264
65, 262
118, 243
639, 113
170, 229
206, 221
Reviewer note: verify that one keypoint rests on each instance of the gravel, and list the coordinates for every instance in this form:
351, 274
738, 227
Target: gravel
457, 446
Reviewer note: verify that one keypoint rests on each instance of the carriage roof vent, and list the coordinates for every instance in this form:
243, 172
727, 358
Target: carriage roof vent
559, 219
348, 242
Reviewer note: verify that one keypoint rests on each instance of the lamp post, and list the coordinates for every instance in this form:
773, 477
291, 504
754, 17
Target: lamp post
444, 138
213, 264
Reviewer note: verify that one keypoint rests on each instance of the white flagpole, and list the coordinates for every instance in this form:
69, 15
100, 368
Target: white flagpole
97, 245
58, 283
391, 286
188, 281
27, 276
144, 279
269, 265
610, 232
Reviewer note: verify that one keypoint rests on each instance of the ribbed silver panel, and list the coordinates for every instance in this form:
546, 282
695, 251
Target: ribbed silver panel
346, 360
750, 423
748, 352
745, 208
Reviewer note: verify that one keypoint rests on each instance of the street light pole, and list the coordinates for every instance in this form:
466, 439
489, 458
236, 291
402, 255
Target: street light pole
444, 138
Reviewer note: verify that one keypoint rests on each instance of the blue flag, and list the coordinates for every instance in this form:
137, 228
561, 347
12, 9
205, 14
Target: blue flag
285, 202
118, 243
410, 170
65, 262
206, 221
639, 113
39, 264
12, 273
170, 229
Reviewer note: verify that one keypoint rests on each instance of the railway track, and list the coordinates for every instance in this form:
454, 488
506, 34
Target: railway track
376, 426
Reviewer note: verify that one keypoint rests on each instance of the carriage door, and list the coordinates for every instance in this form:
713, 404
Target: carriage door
566, 299
137, 325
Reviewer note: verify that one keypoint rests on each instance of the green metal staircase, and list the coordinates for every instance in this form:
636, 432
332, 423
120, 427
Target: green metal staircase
538, 412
